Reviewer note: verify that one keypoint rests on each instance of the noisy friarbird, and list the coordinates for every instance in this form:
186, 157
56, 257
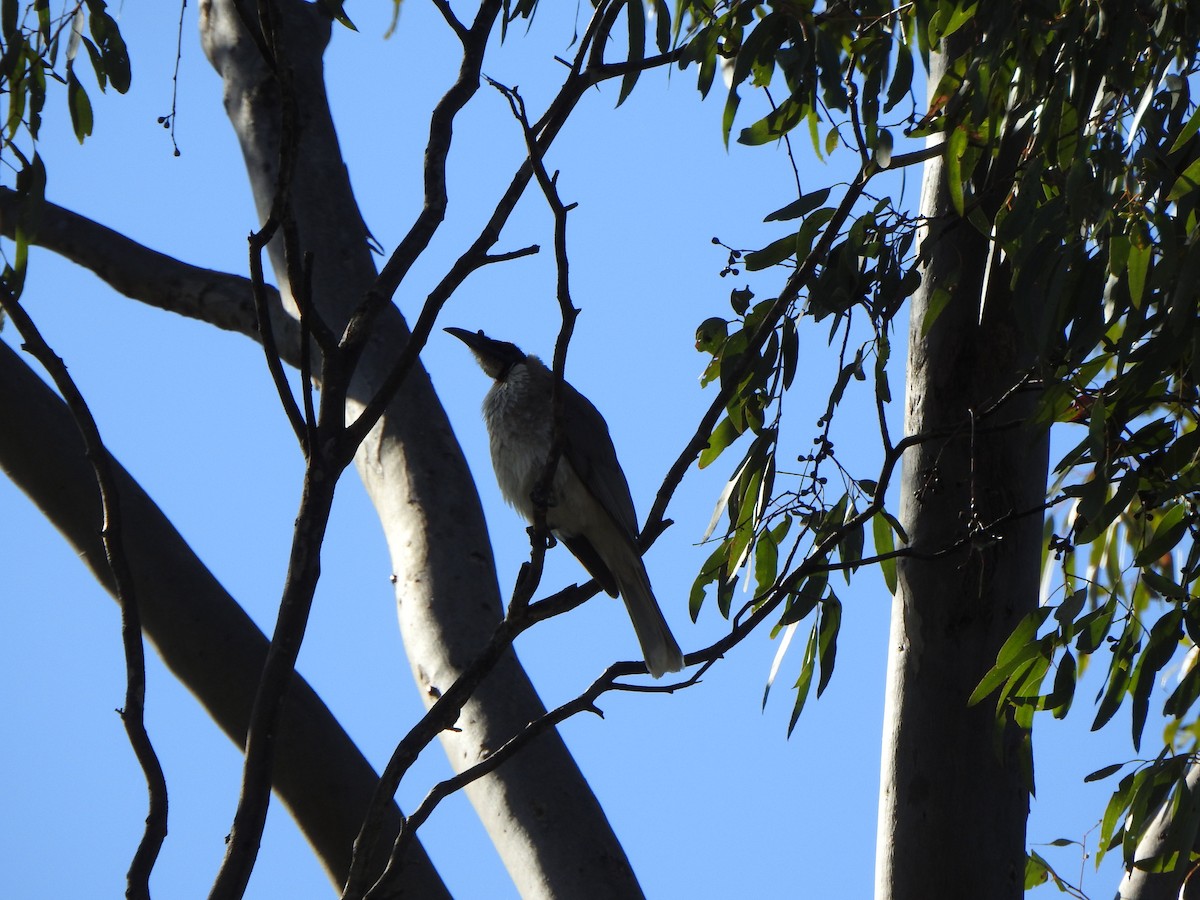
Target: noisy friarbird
589, 507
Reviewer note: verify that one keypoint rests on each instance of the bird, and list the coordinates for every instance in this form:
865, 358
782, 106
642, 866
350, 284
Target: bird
589, 507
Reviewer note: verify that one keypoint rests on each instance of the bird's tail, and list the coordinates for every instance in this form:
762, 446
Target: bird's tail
659, 648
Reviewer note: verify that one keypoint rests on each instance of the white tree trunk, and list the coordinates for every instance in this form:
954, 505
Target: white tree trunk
953, 802
539, 811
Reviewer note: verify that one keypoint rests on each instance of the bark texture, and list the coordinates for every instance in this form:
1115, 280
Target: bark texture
538, 809
953, 801
204, 637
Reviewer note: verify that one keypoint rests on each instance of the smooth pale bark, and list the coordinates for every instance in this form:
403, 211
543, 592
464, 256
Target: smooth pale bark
150, 277
201, 633
953, 802
539, 811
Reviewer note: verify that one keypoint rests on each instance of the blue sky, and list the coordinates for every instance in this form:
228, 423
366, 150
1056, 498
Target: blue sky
708, 796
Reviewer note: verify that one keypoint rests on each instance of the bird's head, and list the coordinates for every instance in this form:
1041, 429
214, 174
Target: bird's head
495, 357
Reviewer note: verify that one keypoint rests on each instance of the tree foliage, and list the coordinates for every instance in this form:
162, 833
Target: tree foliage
38, 47
1071, 143
1070, 140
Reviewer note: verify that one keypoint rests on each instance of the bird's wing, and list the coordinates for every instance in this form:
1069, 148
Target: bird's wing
589, 449
581, 548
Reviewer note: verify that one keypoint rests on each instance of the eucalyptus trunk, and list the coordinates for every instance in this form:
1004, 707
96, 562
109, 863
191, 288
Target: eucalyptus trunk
953, 794
538, 810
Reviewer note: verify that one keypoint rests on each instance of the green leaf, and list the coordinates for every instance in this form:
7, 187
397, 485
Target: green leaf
732, 101
1115, 811
711, 571
1118, 253
81, 107
789, 348
1118, 683
636, 16
804, 682
1168, 531
803, 601
766, 561
1185, 693
832, 138
1102, 773
896, 527
1063, 691
958, 16
42, 7
8, 20
1138, 265
850, 547
662, 25
775, 124
813, 223
829, 622
1164, 640
956, 146
1160, 584
739, 300
772, 254
901, 82
800, 207
723, 435
1067, 610
112, 46
937, 302
1021, 647
1113, 507
881, 530
1037, 870
1093, 627
1187, 182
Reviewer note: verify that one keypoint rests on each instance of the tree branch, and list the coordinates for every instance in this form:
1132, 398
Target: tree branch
150, 277
546, 128
320, 775
448, 601
113, 539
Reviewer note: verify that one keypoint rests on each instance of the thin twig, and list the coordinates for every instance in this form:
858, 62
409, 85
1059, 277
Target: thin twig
567, 310
791, 290
585, 702
476, 255
308, 316
322, 471
133, 713
258, 240
436, 201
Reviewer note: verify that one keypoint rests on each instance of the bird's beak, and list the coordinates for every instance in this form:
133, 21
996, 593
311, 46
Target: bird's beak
495, 357
476, 340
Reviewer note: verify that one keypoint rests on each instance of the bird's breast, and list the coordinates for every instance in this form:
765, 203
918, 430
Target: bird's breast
520, 432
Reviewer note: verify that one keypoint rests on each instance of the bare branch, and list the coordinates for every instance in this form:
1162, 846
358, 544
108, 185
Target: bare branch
540, 533
452, 20
112, 536
153, 278
258, 240
186, 612
450, 603
476, 255
585, 702
437, 151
